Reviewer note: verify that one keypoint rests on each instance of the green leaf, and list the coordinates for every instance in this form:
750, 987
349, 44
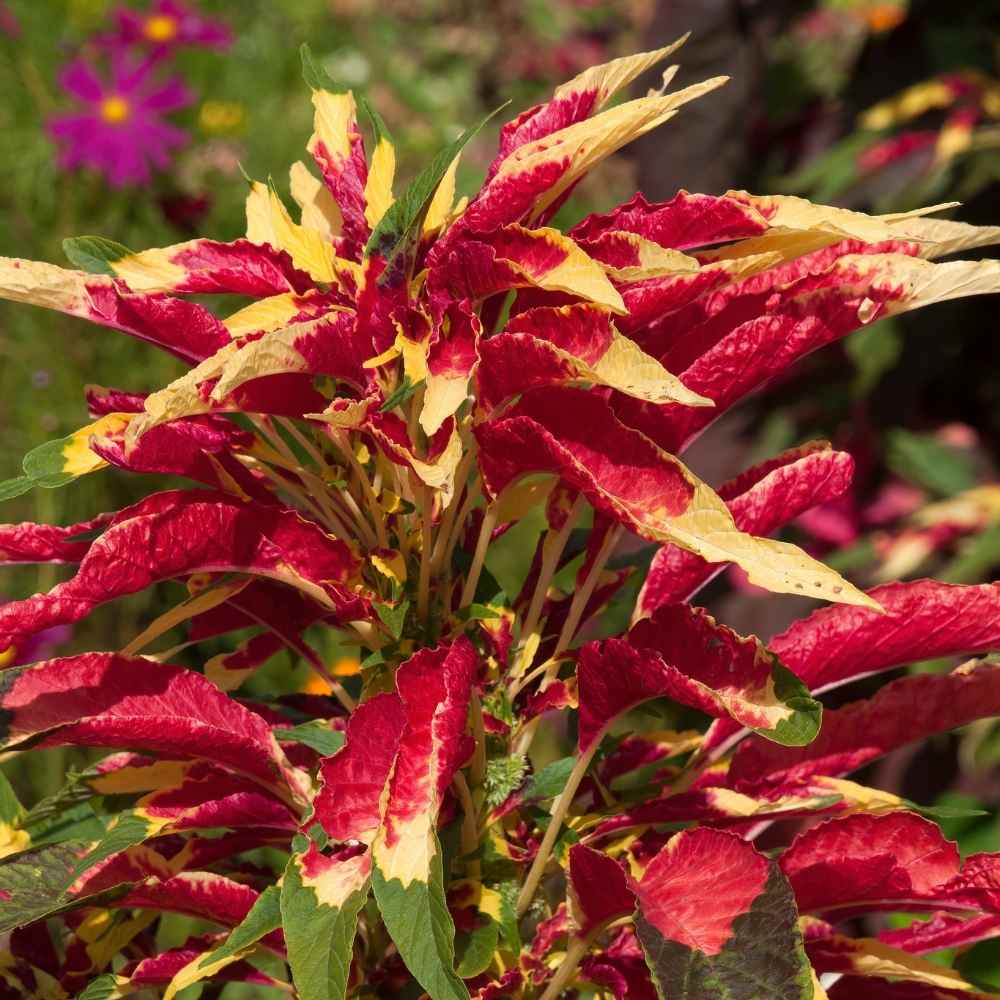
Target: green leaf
478, 613
763, 957
802, 727
474, 949
924, 460
263, 918
945, 812
11, 488
550, 781
315, 76
11, 810
510, 930
378, 125
128, 830
393, 616
504, 776
94, 254
873, 350
400, 395
975, 559
319, 932
981, 964
398, 232
43, 467
316, 735
418, 920
103, 988
35, 884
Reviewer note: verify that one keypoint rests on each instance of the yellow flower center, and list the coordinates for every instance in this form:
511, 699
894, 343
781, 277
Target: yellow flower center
114, 109
161, 28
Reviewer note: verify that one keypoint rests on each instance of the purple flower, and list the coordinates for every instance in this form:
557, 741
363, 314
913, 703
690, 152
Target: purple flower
169, 24
121, 131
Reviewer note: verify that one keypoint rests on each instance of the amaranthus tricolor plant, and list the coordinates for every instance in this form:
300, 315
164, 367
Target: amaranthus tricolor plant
414, 378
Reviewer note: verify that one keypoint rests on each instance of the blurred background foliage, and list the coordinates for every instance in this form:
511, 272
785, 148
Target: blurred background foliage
879, 106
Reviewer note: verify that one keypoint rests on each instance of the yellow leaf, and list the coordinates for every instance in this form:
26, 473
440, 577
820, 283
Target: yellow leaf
444, 196
443, 395
921, 282
627, 368
870, 957
378, 187
319, 209
707, 529
265, 314
610, 77
272, 354
201, 602
12, 840
654, 261
78, 459
391, 564
523, 496
576, 273
334, 123
346, 414
584, 144
46, 285
970, 508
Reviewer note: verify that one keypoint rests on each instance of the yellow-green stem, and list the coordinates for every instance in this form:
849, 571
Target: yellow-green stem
479, 557
575, 952
552, 553
582, 596
559, 810
426, 548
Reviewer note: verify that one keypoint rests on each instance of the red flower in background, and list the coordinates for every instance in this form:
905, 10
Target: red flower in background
120, 130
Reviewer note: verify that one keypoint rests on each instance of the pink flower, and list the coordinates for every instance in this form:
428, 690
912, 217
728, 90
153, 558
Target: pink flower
168, 24
120, 132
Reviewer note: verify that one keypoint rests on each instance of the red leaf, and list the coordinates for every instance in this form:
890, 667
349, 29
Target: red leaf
102, 699
203, 266
599, 889
871, 988
687, 220
198, 894
683, 654
206, 796
435, 685
908, 709
923, 620
45, 543
179, 533
761, 500
943, 930
695, 888
348, 804
894, 862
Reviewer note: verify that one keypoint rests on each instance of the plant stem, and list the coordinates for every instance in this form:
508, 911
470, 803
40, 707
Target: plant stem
559, 810
448, 519
470, 831
426, 547
552, 550
482, 544
471, 496
583, 595
578, 948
